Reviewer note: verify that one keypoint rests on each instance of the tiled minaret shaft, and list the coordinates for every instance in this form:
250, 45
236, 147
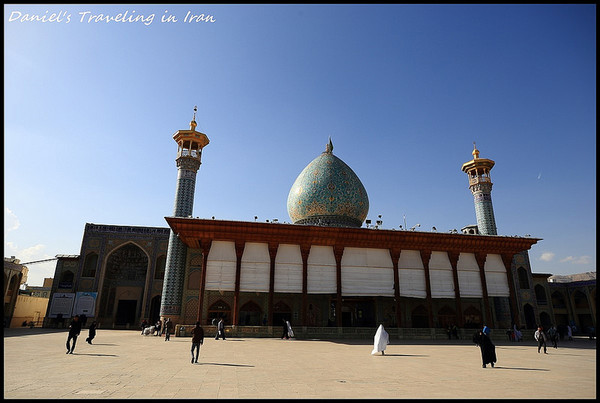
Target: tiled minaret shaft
189, 153
480, 183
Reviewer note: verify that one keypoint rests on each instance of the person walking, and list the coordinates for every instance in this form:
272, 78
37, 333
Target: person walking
168, 326
220, 329
553, 336
285, 334
540, 337
91, 332
455, 332
157, 327
74, 330
143, 325
197, 340
518, 334
488, 349
380, 341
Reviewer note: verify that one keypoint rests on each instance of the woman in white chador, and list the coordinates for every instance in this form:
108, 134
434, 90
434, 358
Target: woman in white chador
381, 340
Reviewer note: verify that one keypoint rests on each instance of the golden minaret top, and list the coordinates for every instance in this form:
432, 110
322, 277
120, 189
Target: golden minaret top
193, 122
475, 151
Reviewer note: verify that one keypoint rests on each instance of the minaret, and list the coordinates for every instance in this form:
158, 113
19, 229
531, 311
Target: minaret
189, 153
480, 183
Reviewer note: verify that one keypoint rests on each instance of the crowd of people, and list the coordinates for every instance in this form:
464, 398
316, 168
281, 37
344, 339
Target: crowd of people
481, 338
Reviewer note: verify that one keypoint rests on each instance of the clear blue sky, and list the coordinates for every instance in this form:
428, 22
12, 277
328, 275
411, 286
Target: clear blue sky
90, 108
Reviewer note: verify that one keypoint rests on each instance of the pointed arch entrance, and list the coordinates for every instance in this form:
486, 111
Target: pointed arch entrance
250, 314
217, 310
155, 309
545, 320
446, 317
420, 317
529, 316
281, 312
123, 286
473, 318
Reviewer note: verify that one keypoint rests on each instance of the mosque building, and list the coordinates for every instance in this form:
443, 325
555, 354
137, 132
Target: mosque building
324, 270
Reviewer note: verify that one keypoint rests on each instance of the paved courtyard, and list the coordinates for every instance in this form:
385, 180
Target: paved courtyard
124, 364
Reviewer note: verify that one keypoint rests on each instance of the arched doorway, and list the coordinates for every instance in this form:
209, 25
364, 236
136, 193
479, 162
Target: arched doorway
523, 278
420, 317
281, 312
473, 318
123, 286
529, 317
545, 320
540, 295
358, 312
217, 310
560, 309
155, 309
582, 312
250, 314
313, 315
446, 317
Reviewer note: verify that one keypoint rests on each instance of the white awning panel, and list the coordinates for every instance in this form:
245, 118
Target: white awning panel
255, 267
495, 276
288, 269
321, 277
411, 274
367, 271
220, 266
469, 278
410, 259
440, 275
439, 261
467, 262
412, 283
469, 283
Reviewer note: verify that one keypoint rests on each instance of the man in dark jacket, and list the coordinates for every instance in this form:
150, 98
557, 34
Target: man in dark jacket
74, 330
168, 327
197, 340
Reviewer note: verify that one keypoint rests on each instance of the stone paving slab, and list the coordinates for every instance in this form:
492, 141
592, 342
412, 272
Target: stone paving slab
122, 364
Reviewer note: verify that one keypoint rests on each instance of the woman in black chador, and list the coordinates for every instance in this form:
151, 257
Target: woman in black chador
286, 334
488, 349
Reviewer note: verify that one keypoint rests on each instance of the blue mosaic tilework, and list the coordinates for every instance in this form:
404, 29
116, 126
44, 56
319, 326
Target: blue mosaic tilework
176, 253
329, 189
484, 211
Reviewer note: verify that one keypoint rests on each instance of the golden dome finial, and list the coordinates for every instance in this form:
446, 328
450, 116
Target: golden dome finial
193, 122
329, 146
475, 151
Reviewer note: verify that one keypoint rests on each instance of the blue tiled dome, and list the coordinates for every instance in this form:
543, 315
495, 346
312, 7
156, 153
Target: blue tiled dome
328, 192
